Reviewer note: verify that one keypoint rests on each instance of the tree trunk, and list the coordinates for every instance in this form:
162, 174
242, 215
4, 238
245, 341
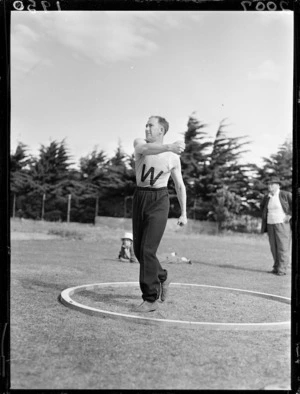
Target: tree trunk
69, 208
96, 207
14, 206
43, 206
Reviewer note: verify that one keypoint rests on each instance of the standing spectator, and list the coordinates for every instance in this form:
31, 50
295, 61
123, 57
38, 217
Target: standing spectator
276, 209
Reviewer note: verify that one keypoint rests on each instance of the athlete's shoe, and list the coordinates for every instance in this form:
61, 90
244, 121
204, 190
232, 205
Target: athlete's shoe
164, 289
146, 306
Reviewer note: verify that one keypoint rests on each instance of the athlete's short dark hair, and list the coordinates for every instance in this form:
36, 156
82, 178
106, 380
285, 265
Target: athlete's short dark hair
162, 121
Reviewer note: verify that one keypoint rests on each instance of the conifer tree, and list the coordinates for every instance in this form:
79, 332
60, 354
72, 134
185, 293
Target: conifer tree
279, 164
20, 179
50, 173
93, 165
222, 168
225, 205
117, 183
193, 163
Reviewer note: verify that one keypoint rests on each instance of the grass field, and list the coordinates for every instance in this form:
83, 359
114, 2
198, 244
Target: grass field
54, 347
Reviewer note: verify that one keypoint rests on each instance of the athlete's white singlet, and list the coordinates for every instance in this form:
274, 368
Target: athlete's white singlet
154, 170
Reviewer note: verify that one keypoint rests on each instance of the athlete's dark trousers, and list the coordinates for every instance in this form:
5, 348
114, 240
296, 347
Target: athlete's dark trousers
149, 219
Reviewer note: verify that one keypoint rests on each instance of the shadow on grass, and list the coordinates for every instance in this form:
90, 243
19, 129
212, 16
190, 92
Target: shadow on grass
231, 266
110, 298
114, 299
31, 283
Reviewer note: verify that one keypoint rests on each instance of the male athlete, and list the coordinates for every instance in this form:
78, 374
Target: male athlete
154, 163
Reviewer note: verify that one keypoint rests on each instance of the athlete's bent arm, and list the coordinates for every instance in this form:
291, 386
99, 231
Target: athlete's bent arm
180, 191
143, 147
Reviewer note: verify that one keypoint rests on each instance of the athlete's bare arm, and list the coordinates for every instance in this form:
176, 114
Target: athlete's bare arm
143, 147
180, 191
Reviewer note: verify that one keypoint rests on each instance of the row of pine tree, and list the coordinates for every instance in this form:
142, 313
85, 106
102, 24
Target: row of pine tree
220, 186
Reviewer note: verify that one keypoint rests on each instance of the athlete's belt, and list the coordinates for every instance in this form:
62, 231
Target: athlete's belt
151, 189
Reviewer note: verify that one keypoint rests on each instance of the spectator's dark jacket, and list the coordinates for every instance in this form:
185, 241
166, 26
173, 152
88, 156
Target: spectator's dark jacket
285, 199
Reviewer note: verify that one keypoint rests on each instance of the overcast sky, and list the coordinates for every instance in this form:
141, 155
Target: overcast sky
94, 78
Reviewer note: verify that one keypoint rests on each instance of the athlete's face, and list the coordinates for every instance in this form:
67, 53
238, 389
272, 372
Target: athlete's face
154, 131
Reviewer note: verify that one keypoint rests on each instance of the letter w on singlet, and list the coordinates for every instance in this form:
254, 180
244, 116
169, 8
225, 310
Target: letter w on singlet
151, 172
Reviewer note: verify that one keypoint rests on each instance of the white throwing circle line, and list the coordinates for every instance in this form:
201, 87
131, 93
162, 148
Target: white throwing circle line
65, 298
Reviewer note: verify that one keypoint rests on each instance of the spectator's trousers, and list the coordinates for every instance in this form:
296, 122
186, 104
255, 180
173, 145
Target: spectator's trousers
149, 219
279, 239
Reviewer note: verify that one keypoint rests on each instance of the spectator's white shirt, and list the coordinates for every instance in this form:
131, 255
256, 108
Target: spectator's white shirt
275, 212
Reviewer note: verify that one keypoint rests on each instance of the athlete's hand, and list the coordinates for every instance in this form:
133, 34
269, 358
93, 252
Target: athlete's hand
177, 147
182, 220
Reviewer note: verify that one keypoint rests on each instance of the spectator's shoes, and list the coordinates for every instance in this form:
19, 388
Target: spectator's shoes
164, 289
273, 272
146, 306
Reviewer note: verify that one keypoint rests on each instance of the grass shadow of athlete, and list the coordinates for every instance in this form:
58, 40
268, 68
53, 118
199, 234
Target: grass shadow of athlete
231, 266
111, 298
